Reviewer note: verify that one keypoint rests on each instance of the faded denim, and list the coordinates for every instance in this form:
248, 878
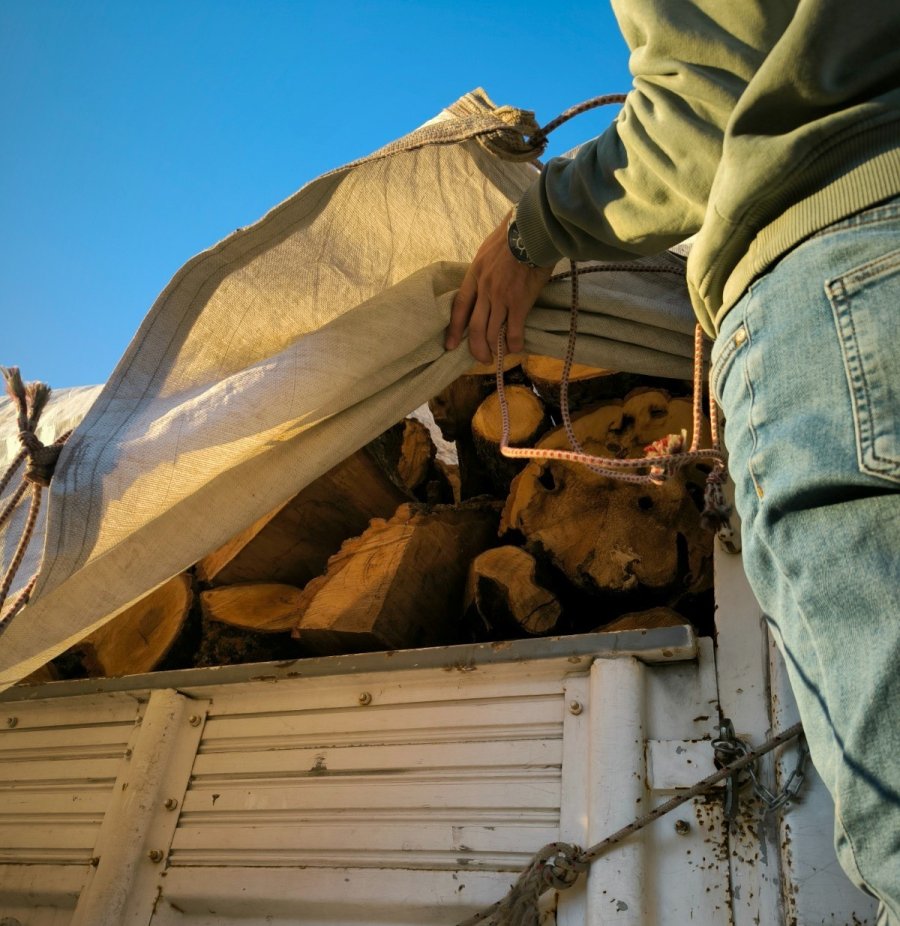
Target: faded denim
806, 368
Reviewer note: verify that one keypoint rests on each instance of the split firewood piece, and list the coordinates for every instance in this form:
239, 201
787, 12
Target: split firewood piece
502, 587
645, 620
607, 535
586, 384
400, 584
140, 637
292, 544
528, 420
405, 452
266, 607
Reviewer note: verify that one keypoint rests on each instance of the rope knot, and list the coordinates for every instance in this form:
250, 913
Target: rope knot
563, 866
672, 446
29, 440
42, 464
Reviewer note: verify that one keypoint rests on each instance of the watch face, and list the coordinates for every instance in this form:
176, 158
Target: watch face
516, 245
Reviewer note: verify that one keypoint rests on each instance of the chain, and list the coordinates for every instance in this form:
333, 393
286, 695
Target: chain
729, 747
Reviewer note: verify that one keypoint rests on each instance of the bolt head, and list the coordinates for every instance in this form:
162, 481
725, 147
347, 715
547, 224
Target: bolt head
365, 698
682, 827
194, 720
155, 855
575, 707
170, 803
12, 722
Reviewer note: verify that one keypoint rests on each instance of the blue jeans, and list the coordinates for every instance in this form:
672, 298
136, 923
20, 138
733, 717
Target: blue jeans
806, 368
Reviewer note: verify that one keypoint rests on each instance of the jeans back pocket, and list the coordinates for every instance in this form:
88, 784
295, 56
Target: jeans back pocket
866, 306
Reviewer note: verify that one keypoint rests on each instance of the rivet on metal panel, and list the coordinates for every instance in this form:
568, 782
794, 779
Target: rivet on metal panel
12, 722
194, 720
682, 827
156, 855
575, 707
364, 698
170, 803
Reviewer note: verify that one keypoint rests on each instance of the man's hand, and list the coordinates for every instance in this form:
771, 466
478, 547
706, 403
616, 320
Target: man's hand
496, 289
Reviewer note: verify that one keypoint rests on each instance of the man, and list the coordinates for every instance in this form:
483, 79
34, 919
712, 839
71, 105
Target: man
771, 130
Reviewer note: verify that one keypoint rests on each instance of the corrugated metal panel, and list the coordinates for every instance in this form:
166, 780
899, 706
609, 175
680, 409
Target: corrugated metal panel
427, 773
387, 789
58, 767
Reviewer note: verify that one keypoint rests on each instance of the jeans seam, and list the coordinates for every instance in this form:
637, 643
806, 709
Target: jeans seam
751, 411
721, 367
846, 331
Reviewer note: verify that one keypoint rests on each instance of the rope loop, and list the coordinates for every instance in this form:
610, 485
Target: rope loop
538, 139
40, 460
525, 140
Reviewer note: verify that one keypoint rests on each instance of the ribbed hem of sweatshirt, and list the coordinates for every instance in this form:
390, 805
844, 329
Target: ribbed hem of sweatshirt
871, 182
532, 229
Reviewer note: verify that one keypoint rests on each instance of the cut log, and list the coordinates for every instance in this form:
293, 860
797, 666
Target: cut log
139, 638
210, 566
528, 420
645, 620
586, 384
292, 544
453, 409
265, 607
400, 584
503, 589
610, 536
405, 452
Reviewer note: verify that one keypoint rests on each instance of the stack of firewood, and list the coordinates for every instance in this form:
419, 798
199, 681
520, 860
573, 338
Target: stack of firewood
400, 546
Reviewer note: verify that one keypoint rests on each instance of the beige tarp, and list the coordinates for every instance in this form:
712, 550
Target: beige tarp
284, 348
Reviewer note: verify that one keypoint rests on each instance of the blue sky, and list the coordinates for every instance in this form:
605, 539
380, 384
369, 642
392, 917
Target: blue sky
137, 134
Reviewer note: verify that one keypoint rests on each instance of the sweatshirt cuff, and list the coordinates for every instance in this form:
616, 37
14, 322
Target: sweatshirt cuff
530, 222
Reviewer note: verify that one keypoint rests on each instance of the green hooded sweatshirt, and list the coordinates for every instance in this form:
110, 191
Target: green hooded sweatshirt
752, 124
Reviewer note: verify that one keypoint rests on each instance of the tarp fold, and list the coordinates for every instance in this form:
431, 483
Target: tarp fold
283, 349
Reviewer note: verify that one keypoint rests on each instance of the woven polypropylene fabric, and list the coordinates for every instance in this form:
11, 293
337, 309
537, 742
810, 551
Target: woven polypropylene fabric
284, 348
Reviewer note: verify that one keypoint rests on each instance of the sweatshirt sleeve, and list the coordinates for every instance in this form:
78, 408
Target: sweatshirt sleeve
643, 185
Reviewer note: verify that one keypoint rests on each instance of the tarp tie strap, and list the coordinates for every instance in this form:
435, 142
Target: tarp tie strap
558, 865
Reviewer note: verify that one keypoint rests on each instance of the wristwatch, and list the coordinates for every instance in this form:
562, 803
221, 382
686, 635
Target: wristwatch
515, 242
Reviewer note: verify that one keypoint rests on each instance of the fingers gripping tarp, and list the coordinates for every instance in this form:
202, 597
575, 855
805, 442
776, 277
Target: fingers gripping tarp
280, 351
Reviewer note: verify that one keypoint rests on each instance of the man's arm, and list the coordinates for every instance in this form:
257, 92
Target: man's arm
644, 183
